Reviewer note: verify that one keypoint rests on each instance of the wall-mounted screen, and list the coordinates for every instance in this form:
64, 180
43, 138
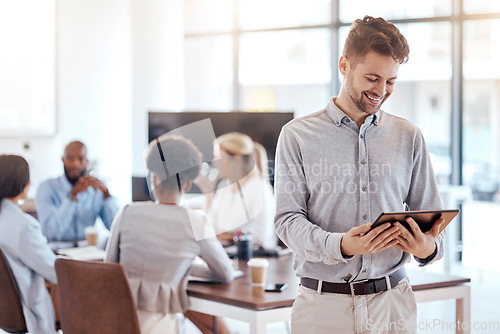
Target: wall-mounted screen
262, 127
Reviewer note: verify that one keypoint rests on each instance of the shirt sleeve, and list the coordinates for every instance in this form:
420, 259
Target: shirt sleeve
219, 266
109, 210
300, 235
56, 218
113, 245
36, 253
263, 228
423, 193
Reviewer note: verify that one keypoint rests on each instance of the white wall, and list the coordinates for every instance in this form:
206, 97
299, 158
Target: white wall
158, 66
94, 84
115, 60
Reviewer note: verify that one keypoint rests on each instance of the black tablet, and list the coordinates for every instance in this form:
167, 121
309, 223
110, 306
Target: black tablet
424, 218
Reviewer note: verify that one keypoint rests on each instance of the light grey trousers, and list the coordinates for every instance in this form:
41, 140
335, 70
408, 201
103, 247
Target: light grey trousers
391, 311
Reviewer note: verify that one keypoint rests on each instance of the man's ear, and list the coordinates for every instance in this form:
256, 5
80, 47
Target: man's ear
344, 65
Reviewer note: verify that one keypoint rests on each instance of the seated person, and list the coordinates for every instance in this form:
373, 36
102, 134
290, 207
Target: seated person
73, 201
156, 242
244, 199
25, 247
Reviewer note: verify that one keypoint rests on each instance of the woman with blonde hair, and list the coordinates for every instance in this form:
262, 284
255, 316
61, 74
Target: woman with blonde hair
244, 200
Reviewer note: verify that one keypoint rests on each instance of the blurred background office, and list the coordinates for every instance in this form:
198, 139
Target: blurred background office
92, 69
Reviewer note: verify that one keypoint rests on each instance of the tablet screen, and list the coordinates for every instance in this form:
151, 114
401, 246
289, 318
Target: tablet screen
424, 218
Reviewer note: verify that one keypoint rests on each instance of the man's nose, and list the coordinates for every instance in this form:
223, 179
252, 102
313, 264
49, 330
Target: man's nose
380, 88
73, 163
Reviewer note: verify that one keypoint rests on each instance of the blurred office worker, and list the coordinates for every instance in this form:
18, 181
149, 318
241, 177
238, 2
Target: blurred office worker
156, 242
337, 170
25, 247
73, 201
244, 199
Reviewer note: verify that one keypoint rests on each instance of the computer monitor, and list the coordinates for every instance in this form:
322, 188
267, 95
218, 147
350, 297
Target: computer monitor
262, 127
140, 191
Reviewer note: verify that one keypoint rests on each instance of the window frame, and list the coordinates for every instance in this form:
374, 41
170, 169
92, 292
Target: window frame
457, 19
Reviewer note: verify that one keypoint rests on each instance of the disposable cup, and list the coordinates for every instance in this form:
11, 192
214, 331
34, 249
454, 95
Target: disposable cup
91, 235
258, 271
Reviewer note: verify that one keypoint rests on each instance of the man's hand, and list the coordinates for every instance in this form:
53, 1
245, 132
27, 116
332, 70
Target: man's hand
359, 241
420, 244
89, 181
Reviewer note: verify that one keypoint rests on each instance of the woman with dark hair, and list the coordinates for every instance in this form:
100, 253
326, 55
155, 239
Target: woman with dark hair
25, 247
156, 242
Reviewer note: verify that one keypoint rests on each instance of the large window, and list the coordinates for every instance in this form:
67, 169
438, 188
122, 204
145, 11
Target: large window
258, 55
265, 79
394, 9
481, 128
265, 14
209, 73
27, 67
283, 55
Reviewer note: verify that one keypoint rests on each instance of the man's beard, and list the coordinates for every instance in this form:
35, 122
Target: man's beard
73, 180
360, 103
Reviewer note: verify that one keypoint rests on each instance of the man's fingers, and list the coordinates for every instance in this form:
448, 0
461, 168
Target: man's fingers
377, 231
384, 240
400, 247
436, 227
405, 233
90, 179
360, 229
385, 235
402, 241
413, 225
387, 244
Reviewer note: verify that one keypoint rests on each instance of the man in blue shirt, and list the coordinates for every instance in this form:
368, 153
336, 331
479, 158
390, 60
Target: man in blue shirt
73, 201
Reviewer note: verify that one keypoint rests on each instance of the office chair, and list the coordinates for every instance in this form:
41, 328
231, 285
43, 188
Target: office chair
95, 298
11, 310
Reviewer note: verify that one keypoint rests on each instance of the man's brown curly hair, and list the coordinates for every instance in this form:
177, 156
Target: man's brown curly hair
378, 35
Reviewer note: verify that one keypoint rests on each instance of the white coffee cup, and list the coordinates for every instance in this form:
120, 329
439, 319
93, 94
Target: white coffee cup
258, 271
91, 235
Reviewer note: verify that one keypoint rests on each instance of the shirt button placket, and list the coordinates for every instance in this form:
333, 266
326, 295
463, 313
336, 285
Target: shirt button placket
363, 178
364, 193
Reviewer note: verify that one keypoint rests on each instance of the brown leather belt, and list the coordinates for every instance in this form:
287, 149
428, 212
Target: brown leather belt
362, 287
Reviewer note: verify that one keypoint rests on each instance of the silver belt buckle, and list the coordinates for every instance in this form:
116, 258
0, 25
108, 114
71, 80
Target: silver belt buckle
354, 283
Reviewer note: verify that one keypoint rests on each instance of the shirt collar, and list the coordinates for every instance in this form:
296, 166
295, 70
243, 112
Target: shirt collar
9, 205
65, 182
337, 115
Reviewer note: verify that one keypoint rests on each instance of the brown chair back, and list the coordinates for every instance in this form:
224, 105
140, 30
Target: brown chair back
95, 298
11, 310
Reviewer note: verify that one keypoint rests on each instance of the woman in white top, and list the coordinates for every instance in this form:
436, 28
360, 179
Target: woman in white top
25, 247
157, 242
244, 199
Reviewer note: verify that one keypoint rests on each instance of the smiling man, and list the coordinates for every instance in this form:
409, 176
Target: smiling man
73, 201
337, 170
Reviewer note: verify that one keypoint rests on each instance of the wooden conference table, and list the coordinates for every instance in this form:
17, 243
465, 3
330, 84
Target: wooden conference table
239, 300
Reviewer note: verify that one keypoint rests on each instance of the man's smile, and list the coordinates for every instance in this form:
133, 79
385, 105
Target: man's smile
374, 99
